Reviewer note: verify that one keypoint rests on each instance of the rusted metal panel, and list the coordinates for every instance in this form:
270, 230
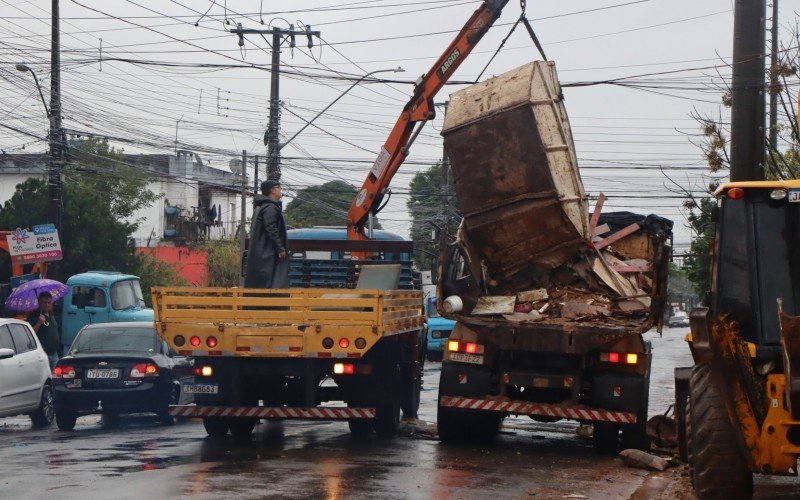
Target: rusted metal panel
515, 171
790, 342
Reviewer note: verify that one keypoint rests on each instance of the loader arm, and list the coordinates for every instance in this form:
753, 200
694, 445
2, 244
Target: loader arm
420, 108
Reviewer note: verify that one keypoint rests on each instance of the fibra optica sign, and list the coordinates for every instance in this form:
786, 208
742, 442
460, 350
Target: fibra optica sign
41, 245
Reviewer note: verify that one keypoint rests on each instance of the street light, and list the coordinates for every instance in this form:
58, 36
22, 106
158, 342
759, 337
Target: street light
398, 69
23, 68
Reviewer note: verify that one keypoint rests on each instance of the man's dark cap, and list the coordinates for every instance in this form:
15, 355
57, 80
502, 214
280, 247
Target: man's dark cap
267, 185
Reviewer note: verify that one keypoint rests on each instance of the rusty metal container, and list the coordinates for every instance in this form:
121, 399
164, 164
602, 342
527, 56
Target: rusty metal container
515, 170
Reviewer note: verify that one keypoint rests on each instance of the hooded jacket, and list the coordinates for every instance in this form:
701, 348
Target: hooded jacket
268, 238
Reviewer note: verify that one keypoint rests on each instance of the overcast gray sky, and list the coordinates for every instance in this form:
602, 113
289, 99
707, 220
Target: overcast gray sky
623, 135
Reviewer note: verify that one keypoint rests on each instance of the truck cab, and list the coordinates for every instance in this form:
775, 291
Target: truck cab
101, 297
439, 329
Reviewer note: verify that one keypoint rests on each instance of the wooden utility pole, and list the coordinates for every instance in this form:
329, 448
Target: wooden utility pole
57, 145
243, 215
773, 80
747, 113
272, 135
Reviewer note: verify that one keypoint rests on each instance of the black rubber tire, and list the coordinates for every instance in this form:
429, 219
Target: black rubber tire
689, 452
720, 470
215, 426
387, 420
409, 395
242, 428
65, 420
44, 415
459, 426
605, 438
361, 427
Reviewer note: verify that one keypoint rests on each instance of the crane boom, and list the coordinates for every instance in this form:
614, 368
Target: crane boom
419, 109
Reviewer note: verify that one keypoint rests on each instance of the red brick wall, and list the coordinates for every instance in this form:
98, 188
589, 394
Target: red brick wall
189, 262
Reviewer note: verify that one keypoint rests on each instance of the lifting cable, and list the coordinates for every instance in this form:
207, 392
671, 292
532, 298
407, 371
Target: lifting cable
528, 27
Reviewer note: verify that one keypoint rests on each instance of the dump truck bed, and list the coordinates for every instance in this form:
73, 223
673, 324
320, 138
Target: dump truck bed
286, 323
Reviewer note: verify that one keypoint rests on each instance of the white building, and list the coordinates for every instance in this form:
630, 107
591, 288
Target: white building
195, 201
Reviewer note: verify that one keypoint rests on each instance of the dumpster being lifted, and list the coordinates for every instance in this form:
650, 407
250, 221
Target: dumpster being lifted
550, 303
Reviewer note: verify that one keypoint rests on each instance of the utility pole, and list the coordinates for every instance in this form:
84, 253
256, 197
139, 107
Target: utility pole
445, 184
271, 136
255, 175
747, 114
56, 136
773, 80
243, 215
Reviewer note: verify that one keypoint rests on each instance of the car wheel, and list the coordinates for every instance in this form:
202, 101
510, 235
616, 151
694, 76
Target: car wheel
65, 420
174, 398
44, 415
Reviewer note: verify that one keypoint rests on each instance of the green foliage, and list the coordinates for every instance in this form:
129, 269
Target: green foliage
679, 288
153, 272
324, 205
98, 192
223, 264
698, 263
427, 214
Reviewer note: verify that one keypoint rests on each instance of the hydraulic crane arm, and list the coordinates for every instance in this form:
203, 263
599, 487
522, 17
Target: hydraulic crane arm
418, 110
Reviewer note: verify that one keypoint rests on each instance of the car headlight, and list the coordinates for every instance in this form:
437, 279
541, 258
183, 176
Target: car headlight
436, 334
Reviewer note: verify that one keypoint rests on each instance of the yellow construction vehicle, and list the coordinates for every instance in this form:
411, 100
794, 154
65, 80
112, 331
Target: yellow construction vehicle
743, 410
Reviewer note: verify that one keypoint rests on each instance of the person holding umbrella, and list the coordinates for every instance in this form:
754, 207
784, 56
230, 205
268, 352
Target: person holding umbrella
45, 325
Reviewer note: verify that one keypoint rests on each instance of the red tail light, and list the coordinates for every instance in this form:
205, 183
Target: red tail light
467, 347
344, 368
144, 370
195, 341
735, 193
211, 342
64, 372
630, 358
344, 343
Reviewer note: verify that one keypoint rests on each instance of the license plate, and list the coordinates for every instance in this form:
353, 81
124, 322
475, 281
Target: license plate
466, 358
794, 196
102, 373
201, 389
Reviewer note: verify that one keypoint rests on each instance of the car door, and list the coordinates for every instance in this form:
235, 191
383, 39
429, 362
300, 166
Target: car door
88, 304
30, 362
9, 398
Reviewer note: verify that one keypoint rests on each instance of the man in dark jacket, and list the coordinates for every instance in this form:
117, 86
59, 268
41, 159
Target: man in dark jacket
45, 325
267, 258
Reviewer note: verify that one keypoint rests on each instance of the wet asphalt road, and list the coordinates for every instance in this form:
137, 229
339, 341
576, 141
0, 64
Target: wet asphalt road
320, 460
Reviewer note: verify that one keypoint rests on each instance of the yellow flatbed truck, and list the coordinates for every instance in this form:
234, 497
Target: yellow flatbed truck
289, 353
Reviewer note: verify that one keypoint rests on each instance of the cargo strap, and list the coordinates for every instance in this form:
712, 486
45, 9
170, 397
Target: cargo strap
546, 410
311, 413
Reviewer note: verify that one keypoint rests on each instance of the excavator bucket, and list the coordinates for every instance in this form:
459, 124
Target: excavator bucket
790, 342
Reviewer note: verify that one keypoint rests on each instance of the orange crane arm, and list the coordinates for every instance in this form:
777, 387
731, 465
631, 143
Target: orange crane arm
418, 110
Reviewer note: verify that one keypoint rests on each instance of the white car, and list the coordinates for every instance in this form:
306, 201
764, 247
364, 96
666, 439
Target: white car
25, 385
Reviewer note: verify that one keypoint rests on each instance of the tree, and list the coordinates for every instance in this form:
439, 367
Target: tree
324, 205
428, 214
100, 192
698, 263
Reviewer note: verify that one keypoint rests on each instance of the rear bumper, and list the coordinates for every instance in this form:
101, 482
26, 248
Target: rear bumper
511, 407
147, 397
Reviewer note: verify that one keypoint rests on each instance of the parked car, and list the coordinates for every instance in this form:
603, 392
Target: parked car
25, 385
118, 368
439, 329
680, 318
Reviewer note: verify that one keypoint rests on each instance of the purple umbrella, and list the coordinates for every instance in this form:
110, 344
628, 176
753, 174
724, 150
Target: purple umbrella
26, 296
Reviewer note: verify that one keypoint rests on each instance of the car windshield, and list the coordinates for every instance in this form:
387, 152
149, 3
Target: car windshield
126, 295
432, 312
115, 340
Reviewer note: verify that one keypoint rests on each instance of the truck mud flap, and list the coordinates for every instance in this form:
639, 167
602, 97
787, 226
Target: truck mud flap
582, 413
298, 413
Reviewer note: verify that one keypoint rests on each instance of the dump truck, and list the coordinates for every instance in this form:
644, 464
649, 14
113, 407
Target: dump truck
550, 303
349, 352
738, 407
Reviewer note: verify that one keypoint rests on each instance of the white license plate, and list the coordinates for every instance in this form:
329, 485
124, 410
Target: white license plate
102, 373
466, 358
201, 389
794, 196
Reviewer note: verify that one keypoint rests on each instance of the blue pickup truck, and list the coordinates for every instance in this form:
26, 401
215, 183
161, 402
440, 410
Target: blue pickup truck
439, 329
101, 297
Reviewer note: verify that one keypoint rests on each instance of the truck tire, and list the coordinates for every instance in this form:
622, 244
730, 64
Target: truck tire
360, 427
215, 426
605, 438
466, 426
435, 355
242, 428
720, 470
409, 391
635, 435
387, 420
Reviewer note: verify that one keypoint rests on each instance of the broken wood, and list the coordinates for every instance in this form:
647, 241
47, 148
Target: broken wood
617, 236
532, 295
495, 305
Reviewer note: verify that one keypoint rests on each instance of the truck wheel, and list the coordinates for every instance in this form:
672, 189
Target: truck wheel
435, 355
720, 470
242, 428
458, 426
215, 426
387, 420
409, 392
65, 420
605, 437
360, 427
